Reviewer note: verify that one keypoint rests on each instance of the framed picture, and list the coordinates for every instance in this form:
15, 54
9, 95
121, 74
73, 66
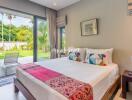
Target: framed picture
129, 7
89, 27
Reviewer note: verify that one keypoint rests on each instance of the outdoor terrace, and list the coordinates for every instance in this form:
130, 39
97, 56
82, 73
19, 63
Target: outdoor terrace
21, 60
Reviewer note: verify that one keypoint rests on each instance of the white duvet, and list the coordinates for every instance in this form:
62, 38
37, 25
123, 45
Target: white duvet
99, 77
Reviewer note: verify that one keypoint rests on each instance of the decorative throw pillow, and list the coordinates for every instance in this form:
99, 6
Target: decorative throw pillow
107, 52
74, 56
97, 59
82, 52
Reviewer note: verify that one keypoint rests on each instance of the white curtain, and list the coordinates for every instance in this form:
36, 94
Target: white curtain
52, 28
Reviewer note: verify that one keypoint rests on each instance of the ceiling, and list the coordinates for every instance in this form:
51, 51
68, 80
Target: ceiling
55, 4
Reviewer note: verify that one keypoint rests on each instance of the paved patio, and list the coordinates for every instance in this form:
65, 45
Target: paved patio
21, 60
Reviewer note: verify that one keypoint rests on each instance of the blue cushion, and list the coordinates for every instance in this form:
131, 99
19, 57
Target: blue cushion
96, 59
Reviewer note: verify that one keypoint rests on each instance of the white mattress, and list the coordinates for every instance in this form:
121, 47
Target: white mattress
100, 78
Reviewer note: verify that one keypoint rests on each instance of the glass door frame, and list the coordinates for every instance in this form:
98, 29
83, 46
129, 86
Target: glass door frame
61, 34
35, 17
35, 44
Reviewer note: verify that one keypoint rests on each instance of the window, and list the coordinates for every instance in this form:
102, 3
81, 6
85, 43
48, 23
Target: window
62, 38
43, 45
16, 35
41, 39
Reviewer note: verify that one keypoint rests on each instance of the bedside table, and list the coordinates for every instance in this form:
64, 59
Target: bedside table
126, 78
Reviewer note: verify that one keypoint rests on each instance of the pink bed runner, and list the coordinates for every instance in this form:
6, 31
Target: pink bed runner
70, 88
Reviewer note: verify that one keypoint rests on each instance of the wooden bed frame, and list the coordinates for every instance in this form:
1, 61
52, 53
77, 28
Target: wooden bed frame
110, 93
18, 86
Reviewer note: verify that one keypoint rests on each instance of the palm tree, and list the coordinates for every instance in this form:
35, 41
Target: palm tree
10, 17
43, 36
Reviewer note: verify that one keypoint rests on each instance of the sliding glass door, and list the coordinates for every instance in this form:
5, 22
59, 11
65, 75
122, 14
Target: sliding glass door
16, 35
43, 45
62, 38
16, 40
24, 34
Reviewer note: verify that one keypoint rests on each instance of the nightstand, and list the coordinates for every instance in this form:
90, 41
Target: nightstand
126, 78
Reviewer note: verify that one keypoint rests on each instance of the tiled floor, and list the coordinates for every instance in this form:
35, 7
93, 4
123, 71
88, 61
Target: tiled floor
7, 93
117, 97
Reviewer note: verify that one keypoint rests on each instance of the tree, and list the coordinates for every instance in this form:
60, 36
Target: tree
10, 17
43, 36
2, 28
24, 34
10, 32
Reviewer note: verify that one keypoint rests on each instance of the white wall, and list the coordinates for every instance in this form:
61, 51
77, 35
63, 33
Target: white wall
115, 27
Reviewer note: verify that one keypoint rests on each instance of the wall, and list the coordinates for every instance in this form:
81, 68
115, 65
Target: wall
11, 45
24, 6
115, 28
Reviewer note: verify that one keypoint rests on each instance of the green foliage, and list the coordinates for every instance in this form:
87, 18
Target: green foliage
10, 32
25, 53
43, 40
22, 33
25, 34
13, 33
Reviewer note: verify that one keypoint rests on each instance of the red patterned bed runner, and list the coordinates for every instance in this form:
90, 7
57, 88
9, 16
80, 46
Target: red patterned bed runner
70, 88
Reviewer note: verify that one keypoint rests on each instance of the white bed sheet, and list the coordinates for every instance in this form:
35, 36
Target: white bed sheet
100, 78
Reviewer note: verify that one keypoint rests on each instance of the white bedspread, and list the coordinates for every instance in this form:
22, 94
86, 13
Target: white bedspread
100, 78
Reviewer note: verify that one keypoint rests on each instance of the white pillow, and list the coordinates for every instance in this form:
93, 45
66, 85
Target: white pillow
82, 52
101, 51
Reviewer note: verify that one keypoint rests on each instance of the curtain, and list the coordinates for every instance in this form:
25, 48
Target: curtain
52, 28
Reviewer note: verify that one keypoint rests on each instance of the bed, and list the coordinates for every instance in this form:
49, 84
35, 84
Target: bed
103, 79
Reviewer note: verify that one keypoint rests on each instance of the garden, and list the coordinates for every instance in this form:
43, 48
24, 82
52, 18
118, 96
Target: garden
19, 38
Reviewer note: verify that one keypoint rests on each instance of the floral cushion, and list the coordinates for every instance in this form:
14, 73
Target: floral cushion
107, 52
74, 56
97, 59
82, 52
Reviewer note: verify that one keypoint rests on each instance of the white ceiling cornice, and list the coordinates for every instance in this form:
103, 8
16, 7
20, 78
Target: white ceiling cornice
55, 4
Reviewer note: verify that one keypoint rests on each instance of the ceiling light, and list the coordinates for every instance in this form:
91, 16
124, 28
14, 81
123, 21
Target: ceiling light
54, 4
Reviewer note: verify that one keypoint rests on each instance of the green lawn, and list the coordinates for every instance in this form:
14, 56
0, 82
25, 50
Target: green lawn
42, 55
25, 53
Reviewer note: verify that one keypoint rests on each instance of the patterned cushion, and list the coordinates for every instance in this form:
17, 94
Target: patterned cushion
74, 56
82, 52
107, 52
97, 59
